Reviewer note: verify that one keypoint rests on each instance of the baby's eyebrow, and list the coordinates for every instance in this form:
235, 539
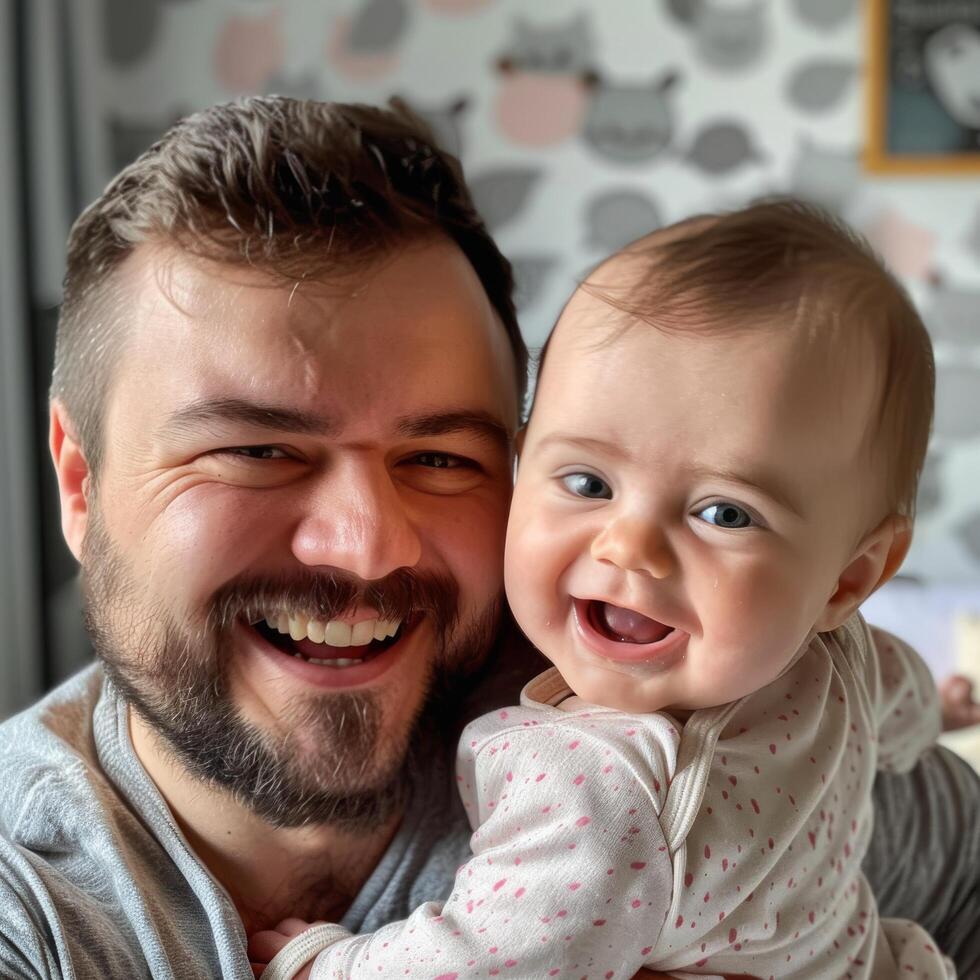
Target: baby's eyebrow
610, 449
763, 482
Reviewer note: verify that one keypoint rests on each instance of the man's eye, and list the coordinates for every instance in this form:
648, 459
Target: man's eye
257, 452
438, 461
588, 485
726, 515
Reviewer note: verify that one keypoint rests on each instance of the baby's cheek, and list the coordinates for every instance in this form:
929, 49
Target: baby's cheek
524, 595
532, 560
737, 609
542, 625
755, 623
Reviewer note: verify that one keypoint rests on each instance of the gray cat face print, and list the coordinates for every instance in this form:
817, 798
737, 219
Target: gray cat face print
731, 37
722, 147
618, 217
630, 123
818, 86
825, 14
378, 26
501, 195
564, 48
725, 37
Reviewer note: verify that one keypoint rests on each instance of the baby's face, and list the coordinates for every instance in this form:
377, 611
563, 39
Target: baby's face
684, 508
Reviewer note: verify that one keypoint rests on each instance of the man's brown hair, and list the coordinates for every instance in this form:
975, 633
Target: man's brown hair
783, 262
290, 186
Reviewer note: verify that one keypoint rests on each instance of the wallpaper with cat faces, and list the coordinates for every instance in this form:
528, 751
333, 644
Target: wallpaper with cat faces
582, 125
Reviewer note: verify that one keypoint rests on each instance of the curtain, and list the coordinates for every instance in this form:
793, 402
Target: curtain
22, 655
43, 169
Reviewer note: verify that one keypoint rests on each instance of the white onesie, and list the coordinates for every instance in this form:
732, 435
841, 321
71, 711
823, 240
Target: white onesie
732, 843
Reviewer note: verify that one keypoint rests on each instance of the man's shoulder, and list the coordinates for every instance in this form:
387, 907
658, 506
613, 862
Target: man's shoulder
65, 712
49, 747
87, 886
50, 786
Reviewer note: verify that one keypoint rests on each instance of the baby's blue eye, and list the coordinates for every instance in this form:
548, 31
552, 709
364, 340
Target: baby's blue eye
726, 515
588, 485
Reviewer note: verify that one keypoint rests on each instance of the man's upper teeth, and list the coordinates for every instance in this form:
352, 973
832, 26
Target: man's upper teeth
335, 632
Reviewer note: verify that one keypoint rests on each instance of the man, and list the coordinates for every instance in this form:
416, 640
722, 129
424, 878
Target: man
287, 380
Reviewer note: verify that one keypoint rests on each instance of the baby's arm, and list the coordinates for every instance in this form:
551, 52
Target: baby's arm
959, 703
908, 707
569, 866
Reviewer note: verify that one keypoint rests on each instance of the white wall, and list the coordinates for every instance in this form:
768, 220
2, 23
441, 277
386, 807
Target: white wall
768, 97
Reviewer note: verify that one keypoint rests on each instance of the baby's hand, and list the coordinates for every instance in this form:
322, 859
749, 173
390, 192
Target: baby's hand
959, 706
263, 946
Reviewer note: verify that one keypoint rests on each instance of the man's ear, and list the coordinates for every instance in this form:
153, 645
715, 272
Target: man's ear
877, 559
74, 478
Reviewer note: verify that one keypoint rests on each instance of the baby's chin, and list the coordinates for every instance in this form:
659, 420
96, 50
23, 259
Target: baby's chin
609, 685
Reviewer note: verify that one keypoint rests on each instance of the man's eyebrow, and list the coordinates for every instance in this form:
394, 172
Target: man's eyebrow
211, 410
475, 422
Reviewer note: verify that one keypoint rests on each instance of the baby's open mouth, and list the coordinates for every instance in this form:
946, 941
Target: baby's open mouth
330, 643
624, 625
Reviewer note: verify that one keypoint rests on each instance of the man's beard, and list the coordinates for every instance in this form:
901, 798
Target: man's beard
177, 678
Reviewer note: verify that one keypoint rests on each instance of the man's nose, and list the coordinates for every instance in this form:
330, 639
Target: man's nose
359, 522
635, 544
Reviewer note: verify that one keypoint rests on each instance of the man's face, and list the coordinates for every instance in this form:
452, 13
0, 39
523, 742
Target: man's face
299, 522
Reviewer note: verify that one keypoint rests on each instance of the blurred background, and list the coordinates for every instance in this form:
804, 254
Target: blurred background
581, 125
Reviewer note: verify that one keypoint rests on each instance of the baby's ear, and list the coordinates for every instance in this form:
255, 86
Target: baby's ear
877, 558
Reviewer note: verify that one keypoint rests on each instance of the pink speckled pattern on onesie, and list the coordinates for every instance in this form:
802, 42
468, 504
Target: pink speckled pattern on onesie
577, 869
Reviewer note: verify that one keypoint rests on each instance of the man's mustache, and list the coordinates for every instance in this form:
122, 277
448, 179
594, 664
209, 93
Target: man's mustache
330, 594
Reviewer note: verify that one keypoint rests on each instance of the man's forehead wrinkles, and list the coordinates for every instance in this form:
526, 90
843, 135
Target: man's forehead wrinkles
213, 410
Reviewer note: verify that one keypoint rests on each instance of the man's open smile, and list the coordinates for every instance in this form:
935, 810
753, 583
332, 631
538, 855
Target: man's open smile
333, 653
311, 638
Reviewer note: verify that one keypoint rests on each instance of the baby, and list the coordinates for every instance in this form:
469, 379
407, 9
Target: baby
720, 466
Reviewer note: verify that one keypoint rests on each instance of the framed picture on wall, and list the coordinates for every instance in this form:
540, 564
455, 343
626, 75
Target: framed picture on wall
923, 86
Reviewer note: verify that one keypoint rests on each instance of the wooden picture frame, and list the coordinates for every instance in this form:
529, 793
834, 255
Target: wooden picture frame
923, 87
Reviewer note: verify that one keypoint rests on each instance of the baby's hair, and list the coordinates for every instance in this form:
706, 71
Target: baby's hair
783, 262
